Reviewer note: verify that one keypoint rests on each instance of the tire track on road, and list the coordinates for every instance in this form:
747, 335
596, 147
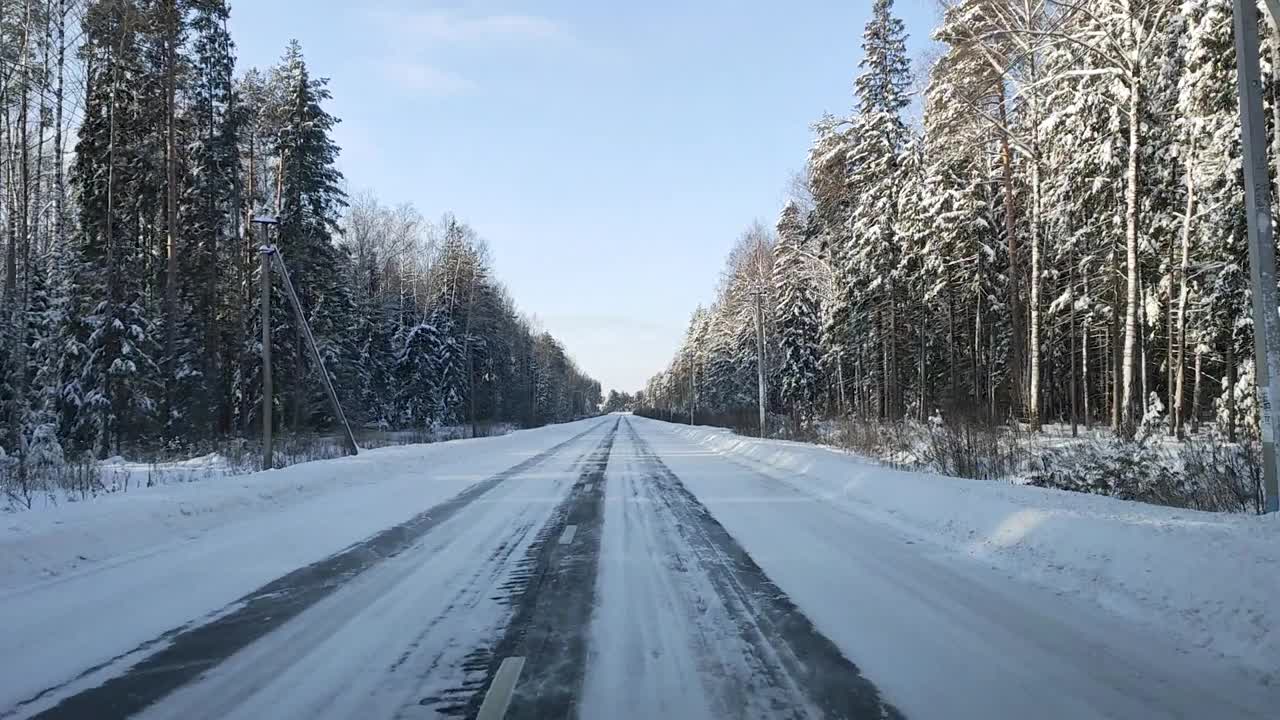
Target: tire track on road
789, 652
552, 598
183, 654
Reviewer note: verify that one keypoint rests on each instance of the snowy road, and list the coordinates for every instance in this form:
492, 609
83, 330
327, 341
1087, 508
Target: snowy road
639, 576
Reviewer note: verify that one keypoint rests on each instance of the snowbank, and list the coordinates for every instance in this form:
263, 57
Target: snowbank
1212, 579
118, 526
172, 554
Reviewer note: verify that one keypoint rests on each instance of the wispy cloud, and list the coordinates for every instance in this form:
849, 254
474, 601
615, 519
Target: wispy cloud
455, 27
419, 77
420, 43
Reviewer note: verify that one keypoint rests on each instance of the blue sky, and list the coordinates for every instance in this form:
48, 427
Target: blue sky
610, 153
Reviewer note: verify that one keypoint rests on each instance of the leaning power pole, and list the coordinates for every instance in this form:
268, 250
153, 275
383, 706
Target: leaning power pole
349, 437
269, 251
1262, 257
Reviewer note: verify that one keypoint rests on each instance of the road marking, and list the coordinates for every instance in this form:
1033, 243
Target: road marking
567, 536
498, 698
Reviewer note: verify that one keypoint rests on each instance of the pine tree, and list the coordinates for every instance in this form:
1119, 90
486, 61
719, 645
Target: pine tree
207, 341
1211, 130
870, 263
117, 378
798, 319
310, 202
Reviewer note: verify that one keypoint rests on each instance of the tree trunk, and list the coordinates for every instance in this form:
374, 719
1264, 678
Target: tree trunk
59, 199
466, 348
1113, 347
1169, 351
16, 304
113, 282
978, 395
1071, 308
924, 362
1015, 281
1195, 392
1178, 411
1131, 260
952, 347
171, 208
1230, 397
1143, 323
1084, 370
840, 381
1034, 391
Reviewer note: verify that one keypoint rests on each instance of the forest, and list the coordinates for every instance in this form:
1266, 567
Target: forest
1059, 239
134, 158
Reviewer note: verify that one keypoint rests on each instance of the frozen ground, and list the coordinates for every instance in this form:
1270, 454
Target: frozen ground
642, 570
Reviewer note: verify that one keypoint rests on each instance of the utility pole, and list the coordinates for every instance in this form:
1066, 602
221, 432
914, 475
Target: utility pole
758, 294
1262, 259
264, 252
349, 437
266, 360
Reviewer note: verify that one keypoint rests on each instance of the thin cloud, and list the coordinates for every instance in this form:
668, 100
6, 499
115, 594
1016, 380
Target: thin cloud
454, 27
426, 79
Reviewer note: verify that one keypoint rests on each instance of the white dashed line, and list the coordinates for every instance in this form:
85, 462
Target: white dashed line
498, 698
567, 536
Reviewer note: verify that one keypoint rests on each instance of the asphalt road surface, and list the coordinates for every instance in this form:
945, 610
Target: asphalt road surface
616, 566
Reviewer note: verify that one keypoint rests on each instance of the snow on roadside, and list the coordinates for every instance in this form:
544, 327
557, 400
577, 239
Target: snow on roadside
172, 554
116, 526
1210, 578
120, 475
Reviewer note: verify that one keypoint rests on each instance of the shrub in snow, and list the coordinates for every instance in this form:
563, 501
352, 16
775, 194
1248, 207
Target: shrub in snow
1202, 474
981, 451
1127, 470
968, 449
45, 453
1154, 420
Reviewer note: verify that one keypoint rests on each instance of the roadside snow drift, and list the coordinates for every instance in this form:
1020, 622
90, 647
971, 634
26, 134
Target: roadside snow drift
1210, 579
88, 579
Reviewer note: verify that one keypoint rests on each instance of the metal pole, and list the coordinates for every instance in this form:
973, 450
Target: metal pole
349, 437
265, 281
760, 359
1262, 260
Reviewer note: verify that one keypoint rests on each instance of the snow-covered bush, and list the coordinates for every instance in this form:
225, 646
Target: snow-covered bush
45, 454
1132, 470
1203, 474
